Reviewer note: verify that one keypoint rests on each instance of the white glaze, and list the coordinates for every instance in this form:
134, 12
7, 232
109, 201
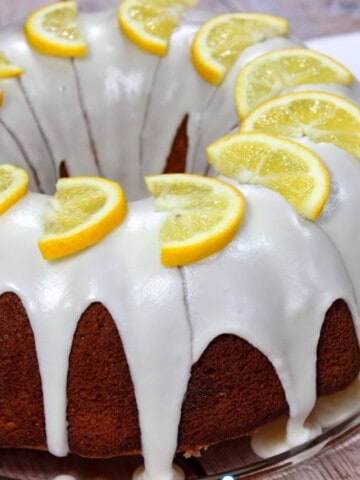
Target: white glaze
340, 206
64, 477
131, 95
329, 411
146, 301
116, 125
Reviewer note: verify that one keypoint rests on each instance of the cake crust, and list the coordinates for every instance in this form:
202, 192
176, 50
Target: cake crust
223, 398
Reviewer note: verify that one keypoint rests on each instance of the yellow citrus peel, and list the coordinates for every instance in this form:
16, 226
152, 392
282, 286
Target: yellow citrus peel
82, 212
204, 215
219, 41
269, 74
321, 116
279, 164
148, 24
14, 183
8, 69
53, 30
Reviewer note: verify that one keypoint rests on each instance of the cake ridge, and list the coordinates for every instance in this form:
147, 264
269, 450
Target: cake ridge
42, 134
86, 119
23, 151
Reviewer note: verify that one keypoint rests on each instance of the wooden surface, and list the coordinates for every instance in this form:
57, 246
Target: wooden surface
308, 18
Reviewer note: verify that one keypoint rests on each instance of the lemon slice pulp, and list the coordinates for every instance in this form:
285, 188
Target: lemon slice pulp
204, 215
53, 30
321, 116
279, 164
148, 24
14, 183
269, 74
219, 41
8, 69
82, 212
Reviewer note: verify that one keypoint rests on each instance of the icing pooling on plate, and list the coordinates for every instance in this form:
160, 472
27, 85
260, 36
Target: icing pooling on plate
153, 306
328, 412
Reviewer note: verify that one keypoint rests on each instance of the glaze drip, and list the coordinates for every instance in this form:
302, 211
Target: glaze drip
146, 301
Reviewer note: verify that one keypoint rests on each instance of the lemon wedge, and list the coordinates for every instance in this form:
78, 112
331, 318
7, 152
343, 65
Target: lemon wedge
82, 212
279, 164
148, 24
321, 116
14, 183
204, 215
8, 69
53, 30
219, 41
266, 76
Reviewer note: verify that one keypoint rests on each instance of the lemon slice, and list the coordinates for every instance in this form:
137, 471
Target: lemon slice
148, 24
267, 75
14, 183
277, 163
321, 116
8, 69
220, 41
53, 30
205, 214
82, 212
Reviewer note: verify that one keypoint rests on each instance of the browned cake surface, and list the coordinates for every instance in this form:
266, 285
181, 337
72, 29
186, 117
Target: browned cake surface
176, 161
233, 387
101, 402
21, 406
338, 360
236, 389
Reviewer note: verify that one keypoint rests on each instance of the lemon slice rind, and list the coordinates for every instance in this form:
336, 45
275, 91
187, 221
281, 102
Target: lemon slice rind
55, 244
271, 73
9, 69
14, 183
213, 57
320, 116
47, 39
155, 38
280, 164
204, 230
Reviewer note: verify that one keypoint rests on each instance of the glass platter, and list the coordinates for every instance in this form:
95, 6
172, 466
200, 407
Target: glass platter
228, 461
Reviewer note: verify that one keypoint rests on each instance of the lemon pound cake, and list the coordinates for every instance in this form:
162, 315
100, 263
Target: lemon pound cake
155, 324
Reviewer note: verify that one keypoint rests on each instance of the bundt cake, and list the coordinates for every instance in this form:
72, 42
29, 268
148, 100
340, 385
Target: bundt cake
107, 352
